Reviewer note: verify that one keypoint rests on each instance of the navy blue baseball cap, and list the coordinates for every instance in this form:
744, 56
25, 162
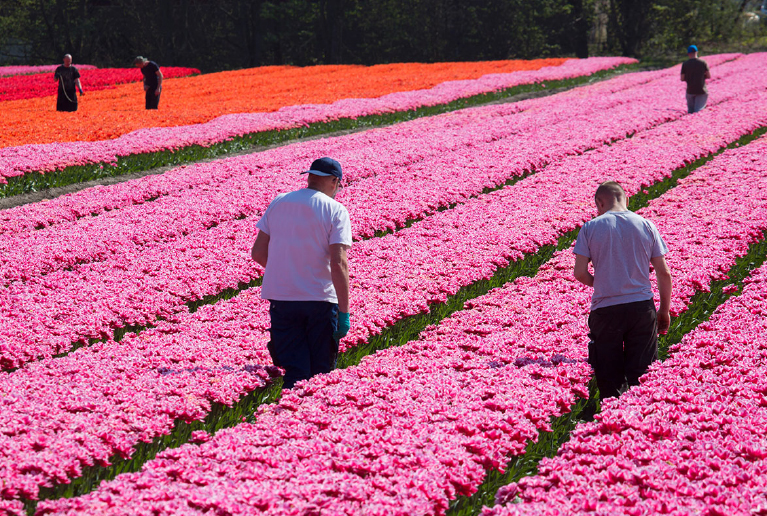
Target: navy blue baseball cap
325, 167
691, 49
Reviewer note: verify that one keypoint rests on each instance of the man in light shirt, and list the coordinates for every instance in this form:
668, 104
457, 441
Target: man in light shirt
623, 323
302, 243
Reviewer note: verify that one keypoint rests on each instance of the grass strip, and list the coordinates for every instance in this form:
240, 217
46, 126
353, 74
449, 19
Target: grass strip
253, 142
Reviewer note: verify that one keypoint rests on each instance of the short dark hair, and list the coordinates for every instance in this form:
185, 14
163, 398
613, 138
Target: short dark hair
610, 190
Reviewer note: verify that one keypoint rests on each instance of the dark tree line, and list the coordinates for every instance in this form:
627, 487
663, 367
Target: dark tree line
224, 34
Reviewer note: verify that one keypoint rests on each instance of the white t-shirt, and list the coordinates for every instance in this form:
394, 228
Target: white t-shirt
620, 245
302, 225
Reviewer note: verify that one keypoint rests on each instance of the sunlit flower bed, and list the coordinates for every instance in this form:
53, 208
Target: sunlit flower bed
103, 273
7, 71
103, 400
213, 108
412, 427
691, 439
92, 79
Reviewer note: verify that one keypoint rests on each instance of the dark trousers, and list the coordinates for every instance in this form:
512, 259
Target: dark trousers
624, 342
302, 340
152, 100
66, 104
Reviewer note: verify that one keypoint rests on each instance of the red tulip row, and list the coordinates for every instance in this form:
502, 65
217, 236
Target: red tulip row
44, 85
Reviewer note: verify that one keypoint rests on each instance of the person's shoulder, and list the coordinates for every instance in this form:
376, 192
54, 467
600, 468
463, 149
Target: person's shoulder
283, 195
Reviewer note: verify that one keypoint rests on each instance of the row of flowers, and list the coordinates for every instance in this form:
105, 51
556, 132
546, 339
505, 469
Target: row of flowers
132, 279
95, 201
689, 440
103, 400
44, 85
205, 110
7, 71
423, 154
411, 428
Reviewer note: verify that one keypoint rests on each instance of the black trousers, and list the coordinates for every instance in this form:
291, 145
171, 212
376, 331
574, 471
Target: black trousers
152, 100
302, 340
624, 342
65, 104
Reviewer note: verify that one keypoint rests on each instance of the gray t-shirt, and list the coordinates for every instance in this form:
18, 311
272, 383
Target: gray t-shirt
620, 245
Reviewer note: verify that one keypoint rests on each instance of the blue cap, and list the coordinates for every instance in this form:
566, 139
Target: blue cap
691, 49
325, 167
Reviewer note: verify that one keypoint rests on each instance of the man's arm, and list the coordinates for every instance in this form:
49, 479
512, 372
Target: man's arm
581, 270
682, 77
339, 272
663, 273
708, 74
159, 82
260, 251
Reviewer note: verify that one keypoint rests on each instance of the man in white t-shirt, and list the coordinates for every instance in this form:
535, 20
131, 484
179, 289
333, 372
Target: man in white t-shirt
302, 243
623, 323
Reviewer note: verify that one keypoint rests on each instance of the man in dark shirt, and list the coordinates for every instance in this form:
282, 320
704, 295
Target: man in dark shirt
68, 78
695, 72
152, 81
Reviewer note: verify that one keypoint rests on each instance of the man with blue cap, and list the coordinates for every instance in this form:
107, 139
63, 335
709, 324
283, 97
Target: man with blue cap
695, 72
302, 243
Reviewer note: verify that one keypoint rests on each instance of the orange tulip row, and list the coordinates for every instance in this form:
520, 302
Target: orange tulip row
111, 113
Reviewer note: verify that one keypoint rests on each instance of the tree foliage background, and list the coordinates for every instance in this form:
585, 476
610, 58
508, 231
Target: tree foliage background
225, 34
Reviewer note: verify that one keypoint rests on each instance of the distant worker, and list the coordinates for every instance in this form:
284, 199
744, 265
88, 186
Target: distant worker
68, 78
302, 243
695, 72
623, 323
152, 81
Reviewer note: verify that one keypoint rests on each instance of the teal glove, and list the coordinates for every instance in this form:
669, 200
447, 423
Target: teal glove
343, 326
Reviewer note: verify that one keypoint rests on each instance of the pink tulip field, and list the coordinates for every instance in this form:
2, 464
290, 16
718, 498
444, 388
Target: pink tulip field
689, 440
469, 393
86, 285
131, 321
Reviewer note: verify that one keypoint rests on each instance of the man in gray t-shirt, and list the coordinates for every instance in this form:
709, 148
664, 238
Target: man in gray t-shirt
623, 323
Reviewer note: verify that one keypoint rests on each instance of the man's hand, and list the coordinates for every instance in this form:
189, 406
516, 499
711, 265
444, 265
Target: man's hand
343, 326
664, 321
157, 92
